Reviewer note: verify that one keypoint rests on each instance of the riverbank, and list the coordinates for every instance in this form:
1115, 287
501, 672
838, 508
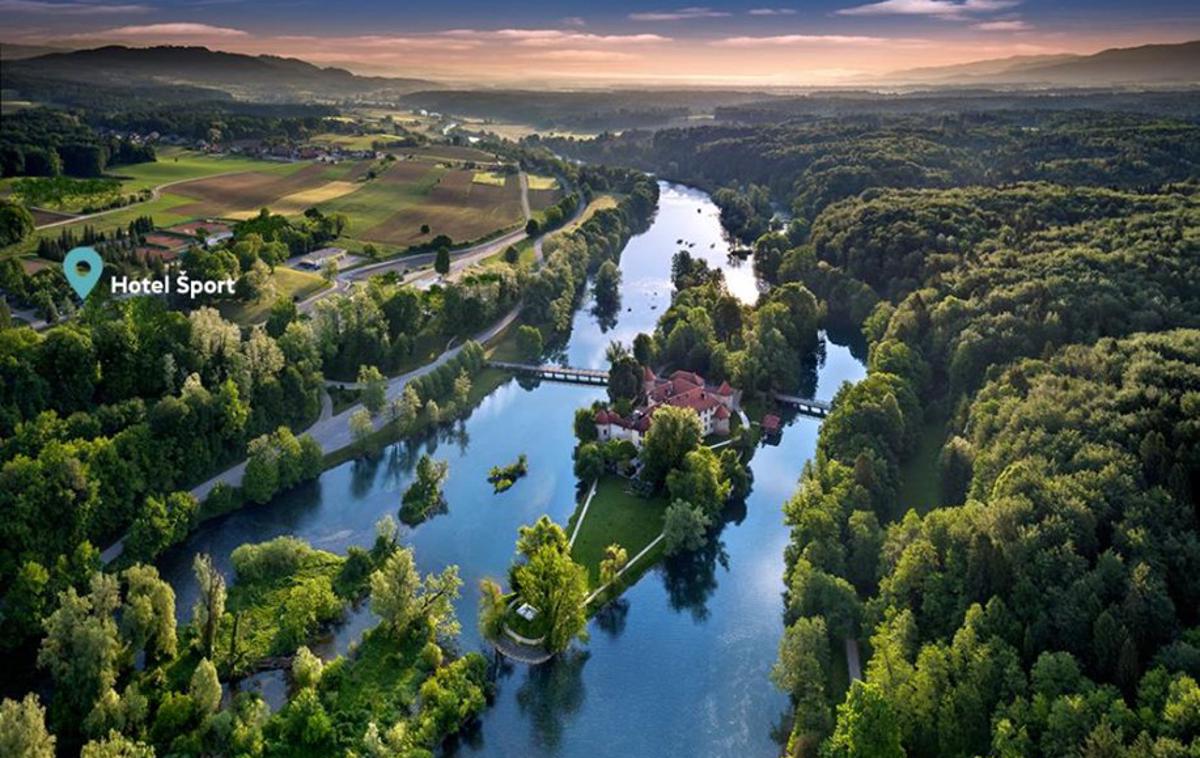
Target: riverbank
709, 623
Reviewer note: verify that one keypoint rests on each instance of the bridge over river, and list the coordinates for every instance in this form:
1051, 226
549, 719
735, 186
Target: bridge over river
595, 376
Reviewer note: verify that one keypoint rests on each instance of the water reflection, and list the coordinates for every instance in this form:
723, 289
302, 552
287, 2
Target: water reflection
679, 665
551, 694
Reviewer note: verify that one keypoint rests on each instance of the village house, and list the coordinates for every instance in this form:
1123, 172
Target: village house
682, 389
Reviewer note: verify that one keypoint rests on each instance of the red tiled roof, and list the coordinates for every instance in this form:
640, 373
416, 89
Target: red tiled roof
722, 412
724, 389
166, 240
688, 376
770, 422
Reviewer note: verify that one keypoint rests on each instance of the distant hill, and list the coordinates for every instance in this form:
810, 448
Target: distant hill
13, 51
1147, 64
259, 77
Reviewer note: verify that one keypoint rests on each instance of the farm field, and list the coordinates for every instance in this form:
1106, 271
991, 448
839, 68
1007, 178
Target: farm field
353, 141
450, 153
539, 182
242, 194
392, 208
176, 164
491, 178
213, 193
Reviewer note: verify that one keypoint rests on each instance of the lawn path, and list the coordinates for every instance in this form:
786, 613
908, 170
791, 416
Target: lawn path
583, 514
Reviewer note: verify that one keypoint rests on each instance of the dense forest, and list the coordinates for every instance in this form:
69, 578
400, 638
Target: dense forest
43, 142
1031, 297
806, 165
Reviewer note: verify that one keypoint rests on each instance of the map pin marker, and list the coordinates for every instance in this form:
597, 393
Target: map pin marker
81, 282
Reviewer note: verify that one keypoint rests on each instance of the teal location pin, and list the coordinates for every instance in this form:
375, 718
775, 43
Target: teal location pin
83, 283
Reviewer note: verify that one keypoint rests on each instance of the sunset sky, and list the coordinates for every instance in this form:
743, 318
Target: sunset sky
821, 42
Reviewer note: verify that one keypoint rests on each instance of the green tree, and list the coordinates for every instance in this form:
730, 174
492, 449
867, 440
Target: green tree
205, 688
82, 649
260, 481
148, 615
361, 429
624, 378
700, 481
492, 608
407, 408
116, 745
685, 528
374, 388
401, 598
606, 288
210, 603
615, 558
556, 586
23, 732
802, 670
424, 496
867, 726
674, 432
306, 668
529, 342
644, 349
542, 533
589, 461
441, 262
16, 223
585, 425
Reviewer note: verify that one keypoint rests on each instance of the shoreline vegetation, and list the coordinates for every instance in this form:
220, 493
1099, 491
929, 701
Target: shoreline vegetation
1004, 321
998, 526
211, 383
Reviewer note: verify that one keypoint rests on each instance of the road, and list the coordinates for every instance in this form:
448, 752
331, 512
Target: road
333, 432
154, 192
416, 268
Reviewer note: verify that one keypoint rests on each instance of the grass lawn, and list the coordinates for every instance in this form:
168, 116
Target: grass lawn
615, 515
526, 257
289, 283
598, 203
504, 347
920, 479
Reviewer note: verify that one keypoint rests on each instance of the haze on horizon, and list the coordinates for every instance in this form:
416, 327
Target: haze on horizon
736, 43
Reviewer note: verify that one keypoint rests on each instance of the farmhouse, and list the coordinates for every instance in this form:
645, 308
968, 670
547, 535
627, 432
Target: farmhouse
682, 389
317, 258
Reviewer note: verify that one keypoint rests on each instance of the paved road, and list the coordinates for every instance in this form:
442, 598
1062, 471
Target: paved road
333, 433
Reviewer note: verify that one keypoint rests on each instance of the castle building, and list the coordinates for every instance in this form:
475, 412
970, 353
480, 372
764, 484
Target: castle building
682, 389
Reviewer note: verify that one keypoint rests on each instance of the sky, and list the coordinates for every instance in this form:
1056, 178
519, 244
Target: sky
760, 42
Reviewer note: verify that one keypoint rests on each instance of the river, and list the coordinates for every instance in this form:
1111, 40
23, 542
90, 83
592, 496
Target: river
679, 665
